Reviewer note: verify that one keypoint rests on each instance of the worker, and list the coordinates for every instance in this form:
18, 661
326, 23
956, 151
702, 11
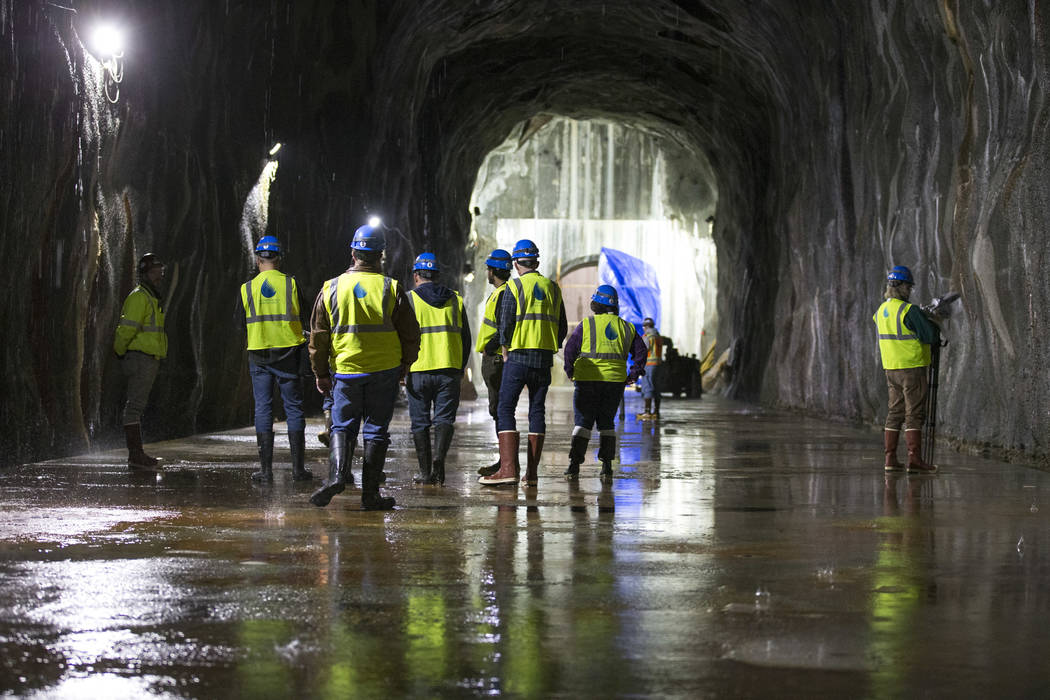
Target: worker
654, 358
905, 338
596, 356
273, 309
363, 327
532, 326
434, 378
141, 343
497, 270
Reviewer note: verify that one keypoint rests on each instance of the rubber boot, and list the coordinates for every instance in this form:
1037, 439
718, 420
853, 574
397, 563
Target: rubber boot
137, 457
375, 456
297, 445
891, 438
442, 441
509, 443
577, 451
339, 456
423, 454
326, 435
490, 469
265, 473
532, 456
915, 463
655, 415
645, 414
607, 452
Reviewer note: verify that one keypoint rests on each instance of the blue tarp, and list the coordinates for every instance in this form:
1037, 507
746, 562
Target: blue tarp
635, 281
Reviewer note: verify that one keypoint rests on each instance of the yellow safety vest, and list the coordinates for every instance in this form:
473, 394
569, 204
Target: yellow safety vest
488, 323
900, 347
655, 348
538, 304
440, 328
360, 306
271, 308
141, 326
607, 338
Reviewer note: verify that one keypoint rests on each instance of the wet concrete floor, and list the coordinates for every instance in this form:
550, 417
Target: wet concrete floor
739, 552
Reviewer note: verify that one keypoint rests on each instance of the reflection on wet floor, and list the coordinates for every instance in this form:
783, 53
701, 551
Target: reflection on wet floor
738, 552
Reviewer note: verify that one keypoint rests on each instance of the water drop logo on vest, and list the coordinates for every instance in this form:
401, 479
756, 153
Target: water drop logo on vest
267, 290
610, 333
885, 313
359, 291
538, 294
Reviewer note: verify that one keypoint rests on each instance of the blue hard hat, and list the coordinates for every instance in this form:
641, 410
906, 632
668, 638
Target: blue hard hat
426, 261
606, 294
498, 259
900, 274
268, 247
369, 239
525, 249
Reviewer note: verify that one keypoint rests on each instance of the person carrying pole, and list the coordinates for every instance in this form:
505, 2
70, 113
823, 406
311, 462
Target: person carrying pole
906, 337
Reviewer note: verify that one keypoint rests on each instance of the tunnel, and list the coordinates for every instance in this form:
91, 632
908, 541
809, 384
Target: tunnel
841, 139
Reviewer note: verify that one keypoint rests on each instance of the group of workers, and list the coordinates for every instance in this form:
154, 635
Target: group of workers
367, 335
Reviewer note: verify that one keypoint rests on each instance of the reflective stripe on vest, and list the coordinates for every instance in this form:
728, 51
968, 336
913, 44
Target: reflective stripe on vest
359, 306
899, 346
537, 303
440, 341
281, 327
606, 339
488, 329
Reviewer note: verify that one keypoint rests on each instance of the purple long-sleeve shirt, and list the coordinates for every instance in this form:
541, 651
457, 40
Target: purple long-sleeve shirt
637, 353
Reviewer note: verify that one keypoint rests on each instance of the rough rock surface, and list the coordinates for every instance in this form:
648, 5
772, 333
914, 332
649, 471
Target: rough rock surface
846, 137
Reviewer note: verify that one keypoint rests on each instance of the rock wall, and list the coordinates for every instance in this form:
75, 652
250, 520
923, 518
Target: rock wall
846, 137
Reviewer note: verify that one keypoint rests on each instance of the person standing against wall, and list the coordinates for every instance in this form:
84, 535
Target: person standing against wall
596, 360
532, 326
905, 339
363, 327
273, 311
497, 269
434, 379
141, 343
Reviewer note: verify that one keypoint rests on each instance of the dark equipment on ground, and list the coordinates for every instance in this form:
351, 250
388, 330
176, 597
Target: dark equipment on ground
678, 375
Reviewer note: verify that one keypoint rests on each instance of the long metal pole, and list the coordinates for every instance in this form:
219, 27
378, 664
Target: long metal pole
929, 435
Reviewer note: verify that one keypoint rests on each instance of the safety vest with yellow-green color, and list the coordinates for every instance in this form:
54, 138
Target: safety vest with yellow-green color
360, 308
440, 333
537, 302
488, 323
141, 326
900, 347
271, 309
605, 342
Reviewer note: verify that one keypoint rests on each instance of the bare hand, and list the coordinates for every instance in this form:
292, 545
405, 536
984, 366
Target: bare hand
324, 384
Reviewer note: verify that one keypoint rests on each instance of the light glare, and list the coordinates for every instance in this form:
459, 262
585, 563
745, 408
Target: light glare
374, 221
108, 41
276, 147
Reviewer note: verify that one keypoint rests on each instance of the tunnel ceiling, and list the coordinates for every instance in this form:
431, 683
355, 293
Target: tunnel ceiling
845, 137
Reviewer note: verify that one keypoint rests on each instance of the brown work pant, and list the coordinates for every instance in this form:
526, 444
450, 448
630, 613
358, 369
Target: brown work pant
908, 389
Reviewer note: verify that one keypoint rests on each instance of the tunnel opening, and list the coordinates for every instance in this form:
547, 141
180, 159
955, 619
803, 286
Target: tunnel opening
578, 187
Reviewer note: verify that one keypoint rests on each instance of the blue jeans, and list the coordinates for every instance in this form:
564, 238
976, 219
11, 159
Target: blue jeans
367, 399
437, 392
596, 401
648, 382
516, 377
264, 380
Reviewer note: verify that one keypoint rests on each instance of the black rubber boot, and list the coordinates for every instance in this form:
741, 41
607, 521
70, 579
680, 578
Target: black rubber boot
606, 453
297, 445
422, 440
442, 441
577, 452
265, 473
339, 456
137, 457
375, 456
